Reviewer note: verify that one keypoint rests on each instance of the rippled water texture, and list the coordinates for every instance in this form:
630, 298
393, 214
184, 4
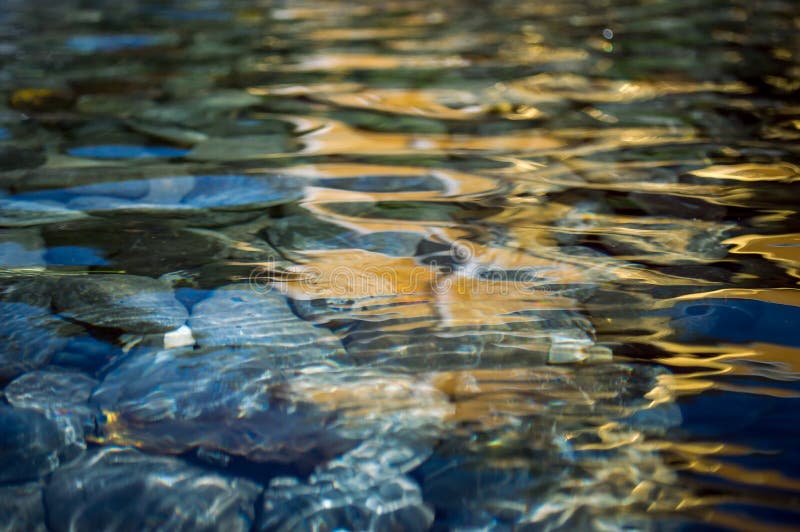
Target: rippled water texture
320, 265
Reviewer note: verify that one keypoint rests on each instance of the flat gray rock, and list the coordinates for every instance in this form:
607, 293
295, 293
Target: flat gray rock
129, 302
119, 489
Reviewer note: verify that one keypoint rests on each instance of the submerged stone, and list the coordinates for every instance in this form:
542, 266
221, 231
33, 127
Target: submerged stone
405, 313
122, 489
398, 418
49, 390
549, 336
173, 134
345, 500
386, 183
22, 508
142, 248
242, 315
219, 399
16, 158
577, 427
62, 396
88, 353
19, 213
29, 445
300, 233
128, 302
181, 193
241, 148
29, 337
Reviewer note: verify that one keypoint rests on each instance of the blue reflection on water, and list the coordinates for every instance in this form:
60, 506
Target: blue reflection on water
735, 320
74, 256
111, 43
126, 151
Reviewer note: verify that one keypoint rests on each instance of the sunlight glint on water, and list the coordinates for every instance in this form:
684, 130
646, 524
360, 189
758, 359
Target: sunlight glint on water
305, 265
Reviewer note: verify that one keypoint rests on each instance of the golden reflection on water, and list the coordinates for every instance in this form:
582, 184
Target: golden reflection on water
443, 104
534, 166
623, 181
783, 249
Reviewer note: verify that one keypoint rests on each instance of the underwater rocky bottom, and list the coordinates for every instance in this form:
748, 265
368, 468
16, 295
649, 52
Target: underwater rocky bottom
354, 265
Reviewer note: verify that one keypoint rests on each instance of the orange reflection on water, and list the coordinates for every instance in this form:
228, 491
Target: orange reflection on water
357, 34
783, 172
332, 62
783, 249
463, 301
574, 87
782, 296
331, 137
446, 104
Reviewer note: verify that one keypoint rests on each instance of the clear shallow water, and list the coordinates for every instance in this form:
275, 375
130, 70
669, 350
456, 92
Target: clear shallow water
284, 265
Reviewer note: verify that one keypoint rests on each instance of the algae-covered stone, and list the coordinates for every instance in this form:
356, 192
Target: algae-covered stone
123, 489
300, 233
128, 302
149, 248
17, 158
241, 148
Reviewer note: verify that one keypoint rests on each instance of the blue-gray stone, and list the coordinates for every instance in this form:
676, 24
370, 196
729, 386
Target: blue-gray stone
121, 489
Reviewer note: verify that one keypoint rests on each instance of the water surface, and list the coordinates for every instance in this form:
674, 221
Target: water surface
399, 266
